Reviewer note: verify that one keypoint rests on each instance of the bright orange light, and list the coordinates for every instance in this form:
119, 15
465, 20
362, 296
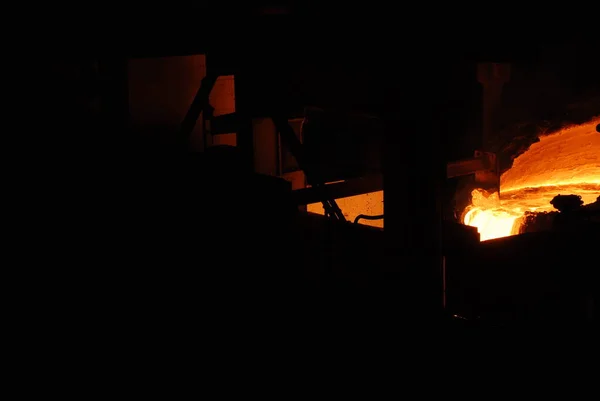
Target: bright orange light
566, 162
369, 204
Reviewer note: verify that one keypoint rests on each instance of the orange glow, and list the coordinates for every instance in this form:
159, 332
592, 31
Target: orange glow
563, 163
369, 204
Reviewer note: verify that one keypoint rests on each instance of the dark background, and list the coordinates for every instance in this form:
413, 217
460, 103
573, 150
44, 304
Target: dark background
73, 170
380, 58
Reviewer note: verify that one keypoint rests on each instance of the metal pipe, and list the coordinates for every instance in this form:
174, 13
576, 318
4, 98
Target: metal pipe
367, 217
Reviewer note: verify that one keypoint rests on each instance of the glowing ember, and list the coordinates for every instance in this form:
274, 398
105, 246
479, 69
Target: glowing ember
567, 162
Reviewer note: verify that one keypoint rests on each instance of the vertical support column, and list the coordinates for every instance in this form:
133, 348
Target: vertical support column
492, 77
413, 222
243, 108
266, 147
412, 192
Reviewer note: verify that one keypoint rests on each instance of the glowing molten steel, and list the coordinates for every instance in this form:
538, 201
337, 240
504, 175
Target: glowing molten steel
564, 163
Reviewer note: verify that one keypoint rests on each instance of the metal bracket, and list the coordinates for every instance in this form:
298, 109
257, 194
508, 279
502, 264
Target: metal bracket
484, 165
489, 176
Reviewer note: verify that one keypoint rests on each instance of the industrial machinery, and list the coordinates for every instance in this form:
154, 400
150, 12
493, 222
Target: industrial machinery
418, 264
484, 167
282, 126
314, 168
466, 291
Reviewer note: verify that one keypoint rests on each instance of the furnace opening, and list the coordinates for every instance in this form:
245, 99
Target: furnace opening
566, 162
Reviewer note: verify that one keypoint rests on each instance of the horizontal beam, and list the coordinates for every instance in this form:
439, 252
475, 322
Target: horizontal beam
225, 124
465, 167
339, 190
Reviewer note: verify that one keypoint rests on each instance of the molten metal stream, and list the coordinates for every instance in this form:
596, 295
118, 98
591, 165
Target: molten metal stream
563, 163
